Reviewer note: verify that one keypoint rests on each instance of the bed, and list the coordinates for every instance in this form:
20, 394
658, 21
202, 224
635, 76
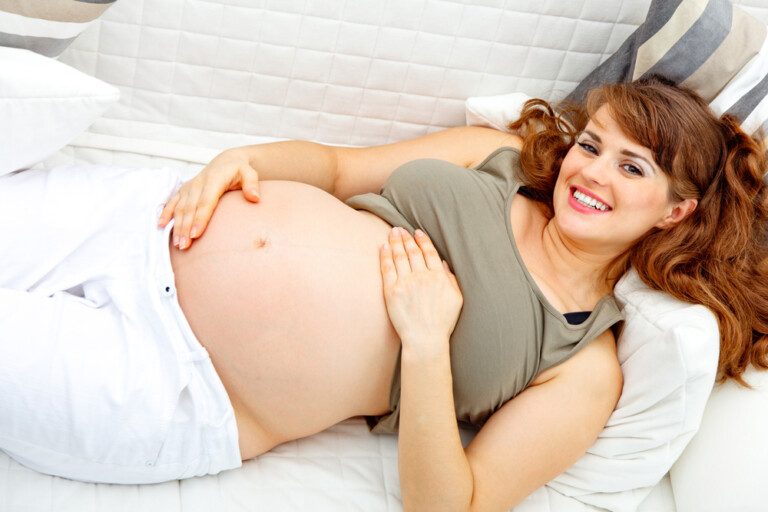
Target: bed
197, 76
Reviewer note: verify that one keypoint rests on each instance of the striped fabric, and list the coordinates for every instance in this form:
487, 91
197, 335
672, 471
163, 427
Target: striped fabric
46, 26
708, 45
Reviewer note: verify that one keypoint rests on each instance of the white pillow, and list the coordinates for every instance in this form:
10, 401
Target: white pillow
44, 104
494, 111
726, 465
668, 352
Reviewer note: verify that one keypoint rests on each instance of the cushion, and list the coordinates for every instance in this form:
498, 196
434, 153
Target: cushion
46, 26
668, 350
494, 111
711, 46
44, 104
726, 465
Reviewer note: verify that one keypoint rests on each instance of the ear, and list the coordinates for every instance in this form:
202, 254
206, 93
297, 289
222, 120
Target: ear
678, 212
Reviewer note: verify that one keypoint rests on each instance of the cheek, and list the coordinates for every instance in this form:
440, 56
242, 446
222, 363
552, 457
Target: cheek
567, 170
646, 204
572, 165
569, 162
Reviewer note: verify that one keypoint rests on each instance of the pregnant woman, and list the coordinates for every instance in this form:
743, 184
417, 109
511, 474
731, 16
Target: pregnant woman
307, 308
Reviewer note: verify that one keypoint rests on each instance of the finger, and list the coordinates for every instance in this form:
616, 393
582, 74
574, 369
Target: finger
167, 213
388, 272
206, 205
178, 215
180, 236
412, 249
190, 202
250, 184
429, 253
402, 265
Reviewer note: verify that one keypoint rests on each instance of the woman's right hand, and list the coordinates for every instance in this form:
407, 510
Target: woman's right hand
193, 205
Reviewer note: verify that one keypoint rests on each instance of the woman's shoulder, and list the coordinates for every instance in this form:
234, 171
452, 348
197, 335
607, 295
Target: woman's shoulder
599, 357
486, 141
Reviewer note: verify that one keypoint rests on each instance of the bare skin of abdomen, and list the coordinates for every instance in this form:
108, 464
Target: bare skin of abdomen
286, 296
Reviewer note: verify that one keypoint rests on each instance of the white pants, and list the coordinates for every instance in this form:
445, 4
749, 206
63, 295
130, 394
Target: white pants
101, 377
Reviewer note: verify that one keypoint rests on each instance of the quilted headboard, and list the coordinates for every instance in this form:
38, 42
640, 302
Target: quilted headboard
197, 76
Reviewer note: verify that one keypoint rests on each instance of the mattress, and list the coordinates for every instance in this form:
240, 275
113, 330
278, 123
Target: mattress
349, 73
342, 469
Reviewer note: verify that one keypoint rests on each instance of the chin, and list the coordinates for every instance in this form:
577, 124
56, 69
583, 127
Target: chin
580, 232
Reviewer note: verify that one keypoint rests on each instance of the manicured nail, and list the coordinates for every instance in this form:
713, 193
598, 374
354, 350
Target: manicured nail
193, 232
419, 232
183, 243
176, 240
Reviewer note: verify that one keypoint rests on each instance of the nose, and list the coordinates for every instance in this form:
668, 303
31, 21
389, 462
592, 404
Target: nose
598, 170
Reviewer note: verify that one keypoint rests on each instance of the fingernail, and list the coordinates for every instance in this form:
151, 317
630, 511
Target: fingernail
193, 232
176, 240
419, 232
183, 242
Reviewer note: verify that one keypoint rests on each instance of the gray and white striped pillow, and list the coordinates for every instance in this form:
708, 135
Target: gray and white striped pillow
46, 26
711, 46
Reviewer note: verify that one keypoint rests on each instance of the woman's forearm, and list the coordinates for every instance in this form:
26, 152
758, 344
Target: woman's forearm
434, 471
294, 160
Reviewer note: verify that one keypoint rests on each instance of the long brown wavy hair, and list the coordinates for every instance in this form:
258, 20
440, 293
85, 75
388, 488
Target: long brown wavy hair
718, 255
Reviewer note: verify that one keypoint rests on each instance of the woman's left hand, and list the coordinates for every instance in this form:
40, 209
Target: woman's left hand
422, 295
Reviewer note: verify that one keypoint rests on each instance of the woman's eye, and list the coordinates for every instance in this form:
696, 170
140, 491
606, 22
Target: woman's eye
633, 169
586, 146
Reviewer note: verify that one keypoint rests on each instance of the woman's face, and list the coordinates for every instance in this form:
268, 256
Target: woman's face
610, 191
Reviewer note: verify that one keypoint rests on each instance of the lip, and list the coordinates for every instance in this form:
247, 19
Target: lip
580, 207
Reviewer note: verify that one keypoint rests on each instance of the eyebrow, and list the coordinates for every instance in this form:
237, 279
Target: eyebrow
623, 151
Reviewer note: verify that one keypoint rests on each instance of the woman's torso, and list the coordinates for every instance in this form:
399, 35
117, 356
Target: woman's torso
286, 296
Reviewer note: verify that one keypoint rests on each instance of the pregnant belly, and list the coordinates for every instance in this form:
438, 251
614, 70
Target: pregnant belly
286, 297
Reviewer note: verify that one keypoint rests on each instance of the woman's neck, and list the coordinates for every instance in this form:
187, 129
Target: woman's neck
577, 266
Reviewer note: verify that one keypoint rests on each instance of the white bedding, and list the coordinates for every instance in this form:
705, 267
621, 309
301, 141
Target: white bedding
190, 88
343, 468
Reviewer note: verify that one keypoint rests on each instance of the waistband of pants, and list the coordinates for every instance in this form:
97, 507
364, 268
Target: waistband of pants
217, 424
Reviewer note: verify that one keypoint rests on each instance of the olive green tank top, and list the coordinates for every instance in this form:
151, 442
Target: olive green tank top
507, 332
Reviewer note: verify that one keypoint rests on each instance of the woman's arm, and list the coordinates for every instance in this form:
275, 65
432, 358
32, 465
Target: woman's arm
525, 444
340, 171
347, 171
423, 302
435, 473
546, 428
530, 440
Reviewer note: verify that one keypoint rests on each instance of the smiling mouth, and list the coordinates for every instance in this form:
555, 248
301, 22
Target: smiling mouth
588, 202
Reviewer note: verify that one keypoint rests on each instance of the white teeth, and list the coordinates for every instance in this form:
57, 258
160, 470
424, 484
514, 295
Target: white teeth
589, 201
